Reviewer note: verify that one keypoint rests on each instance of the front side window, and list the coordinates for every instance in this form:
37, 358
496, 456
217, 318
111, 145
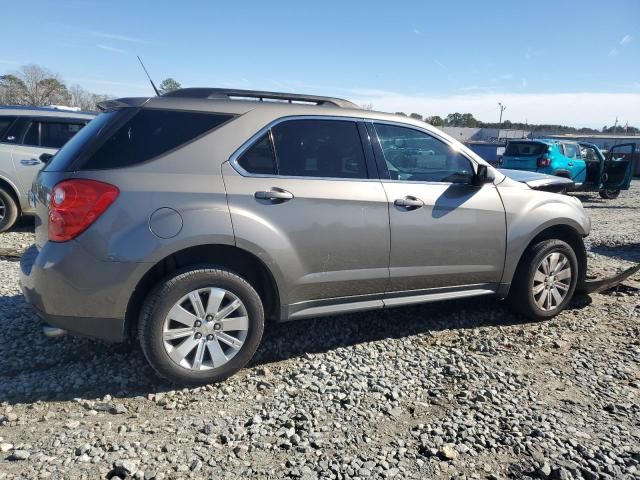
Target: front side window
319, 148
414, 155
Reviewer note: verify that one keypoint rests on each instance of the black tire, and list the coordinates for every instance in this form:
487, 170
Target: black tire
609, 194
9, 210
521, 298
170, 291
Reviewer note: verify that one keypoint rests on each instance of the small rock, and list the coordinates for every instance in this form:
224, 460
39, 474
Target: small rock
448, 452
19, 455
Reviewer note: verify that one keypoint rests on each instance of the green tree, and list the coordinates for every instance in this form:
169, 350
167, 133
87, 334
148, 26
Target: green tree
169, 85
402, 114
435, 120
416, 116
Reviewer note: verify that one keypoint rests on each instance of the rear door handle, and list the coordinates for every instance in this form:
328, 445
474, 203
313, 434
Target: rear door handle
276, 195
31, 161
409, 202
570, 164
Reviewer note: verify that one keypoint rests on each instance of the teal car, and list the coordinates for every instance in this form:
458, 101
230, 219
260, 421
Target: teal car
584, 163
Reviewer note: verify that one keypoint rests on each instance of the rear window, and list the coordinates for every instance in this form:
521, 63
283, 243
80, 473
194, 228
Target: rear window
524, 149
130, 136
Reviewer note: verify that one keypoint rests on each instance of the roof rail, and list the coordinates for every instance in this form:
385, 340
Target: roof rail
234, 94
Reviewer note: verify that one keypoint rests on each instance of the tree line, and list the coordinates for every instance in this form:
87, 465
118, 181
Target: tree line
36, 86
467, 120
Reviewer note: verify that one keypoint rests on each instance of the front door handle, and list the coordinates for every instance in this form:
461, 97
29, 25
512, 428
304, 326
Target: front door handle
276, 195
570, 164
31, 161
409, 202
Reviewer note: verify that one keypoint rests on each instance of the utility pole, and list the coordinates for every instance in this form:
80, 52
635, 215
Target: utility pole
502, 109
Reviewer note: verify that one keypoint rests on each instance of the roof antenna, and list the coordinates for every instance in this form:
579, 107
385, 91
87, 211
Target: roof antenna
148, 76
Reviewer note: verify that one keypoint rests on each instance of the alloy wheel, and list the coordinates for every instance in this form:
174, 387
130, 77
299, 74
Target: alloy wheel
205, 329
3, 209
552, 281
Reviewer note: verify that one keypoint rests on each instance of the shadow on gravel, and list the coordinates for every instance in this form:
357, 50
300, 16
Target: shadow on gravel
629, 252
24, 224
33, 367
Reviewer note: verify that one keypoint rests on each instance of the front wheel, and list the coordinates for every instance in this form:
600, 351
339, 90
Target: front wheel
8, 210
201, 326
545, 280
609, 194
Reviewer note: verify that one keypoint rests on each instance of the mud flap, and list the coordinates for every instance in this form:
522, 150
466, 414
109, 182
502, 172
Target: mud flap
600, 285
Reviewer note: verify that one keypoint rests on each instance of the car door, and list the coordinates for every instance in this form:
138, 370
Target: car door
618, 167
575, 164
304, 196
41, 135
445, 232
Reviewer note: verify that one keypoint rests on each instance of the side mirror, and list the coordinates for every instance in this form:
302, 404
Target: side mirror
45, 158
482, 176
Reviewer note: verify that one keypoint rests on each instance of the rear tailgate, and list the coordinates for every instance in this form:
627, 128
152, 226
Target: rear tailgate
523, 155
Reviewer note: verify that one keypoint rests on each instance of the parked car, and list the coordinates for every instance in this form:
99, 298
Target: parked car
187, 220
25, 134
581, 162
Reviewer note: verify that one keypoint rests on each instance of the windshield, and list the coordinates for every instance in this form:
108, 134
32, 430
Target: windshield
74, 147
524, 149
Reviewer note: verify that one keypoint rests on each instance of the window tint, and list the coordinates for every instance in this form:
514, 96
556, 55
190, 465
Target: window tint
31, 137
319, 148
4, 124
571, 150
56, 134
415, 155
150, 133
259, 158
525, 149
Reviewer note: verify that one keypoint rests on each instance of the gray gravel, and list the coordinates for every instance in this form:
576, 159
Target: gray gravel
464, 390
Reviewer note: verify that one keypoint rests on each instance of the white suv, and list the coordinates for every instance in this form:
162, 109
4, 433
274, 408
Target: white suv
25, 134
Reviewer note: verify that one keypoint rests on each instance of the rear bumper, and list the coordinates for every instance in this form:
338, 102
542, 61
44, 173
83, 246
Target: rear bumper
73, 290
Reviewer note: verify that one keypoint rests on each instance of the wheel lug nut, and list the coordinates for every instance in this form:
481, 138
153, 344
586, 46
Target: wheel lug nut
209, 318
198, 323
198, 335
209, 337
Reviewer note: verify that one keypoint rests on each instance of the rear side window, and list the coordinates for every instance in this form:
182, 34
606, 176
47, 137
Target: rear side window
319, 148
525, 149
4, 124
150, 133
259, 158
571, 150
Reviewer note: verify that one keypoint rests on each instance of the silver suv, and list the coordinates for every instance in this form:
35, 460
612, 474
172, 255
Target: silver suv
189, 219
26, 133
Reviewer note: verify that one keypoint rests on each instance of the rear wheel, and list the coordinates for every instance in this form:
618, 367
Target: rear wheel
8, 210
609, 194
545, 280
201, 326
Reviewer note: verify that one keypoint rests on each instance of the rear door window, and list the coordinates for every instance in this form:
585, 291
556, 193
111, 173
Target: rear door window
524, 149
571, 150
150, 133
49, 133
319, 148
259, 158
56, 134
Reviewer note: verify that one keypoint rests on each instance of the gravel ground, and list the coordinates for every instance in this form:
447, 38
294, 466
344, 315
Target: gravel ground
448, 390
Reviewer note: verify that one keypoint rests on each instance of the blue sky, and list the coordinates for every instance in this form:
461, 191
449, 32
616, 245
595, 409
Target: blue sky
572, 62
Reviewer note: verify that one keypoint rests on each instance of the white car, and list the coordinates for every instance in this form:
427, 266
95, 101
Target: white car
25, 134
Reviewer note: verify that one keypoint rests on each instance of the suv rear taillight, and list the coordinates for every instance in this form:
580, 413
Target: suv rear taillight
75, 205
544, 161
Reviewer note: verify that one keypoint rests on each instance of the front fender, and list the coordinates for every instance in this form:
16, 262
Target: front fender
529, 213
